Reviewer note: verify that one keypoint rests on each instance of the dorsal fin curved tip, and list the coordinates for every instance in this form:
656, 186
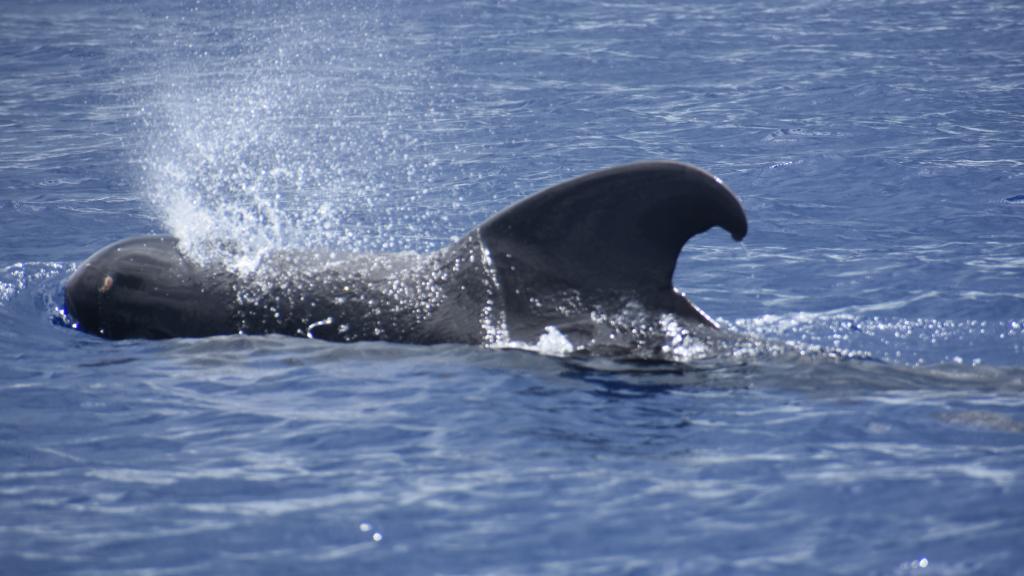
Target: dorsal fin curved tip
729, 211
734, 218
620, 228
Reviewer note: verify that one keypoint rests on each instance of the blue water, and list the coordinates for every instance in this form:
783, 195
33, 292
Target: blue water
876, 147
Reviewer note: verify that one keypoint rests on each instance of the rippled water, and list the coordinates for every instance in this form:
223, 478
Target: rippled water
876, 148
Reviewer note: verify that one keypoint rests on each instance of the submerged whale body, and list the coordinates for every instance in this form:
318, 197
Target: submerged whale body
558, 258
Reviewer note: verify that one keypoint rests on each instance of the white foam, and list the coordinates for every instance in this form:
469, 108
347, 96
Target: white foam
551, 343
554, 343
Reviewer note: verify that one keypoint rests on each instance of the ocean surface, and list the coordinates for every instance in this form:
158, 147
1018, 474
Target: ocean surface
873, 423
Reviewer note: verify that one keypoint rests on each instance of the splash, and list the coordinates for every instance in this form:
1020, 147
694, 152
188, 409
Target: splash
303, 137
633, 332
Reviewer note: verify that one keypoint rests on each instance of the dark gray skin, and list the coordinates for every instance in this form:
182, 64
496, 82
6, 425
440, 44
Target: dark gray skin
594, 243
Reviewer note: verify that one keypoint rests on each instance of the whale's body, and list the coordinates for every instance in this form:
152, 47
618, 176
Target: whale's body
590, 245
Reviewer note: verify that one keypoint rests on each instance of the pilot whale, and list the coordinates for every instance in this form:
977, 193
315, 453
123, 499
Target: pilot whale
591, 245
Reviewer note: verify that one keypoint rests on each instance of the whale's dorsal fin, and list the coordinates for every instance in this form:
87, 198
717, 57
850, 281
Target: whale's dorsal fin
615, 230
620, 228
